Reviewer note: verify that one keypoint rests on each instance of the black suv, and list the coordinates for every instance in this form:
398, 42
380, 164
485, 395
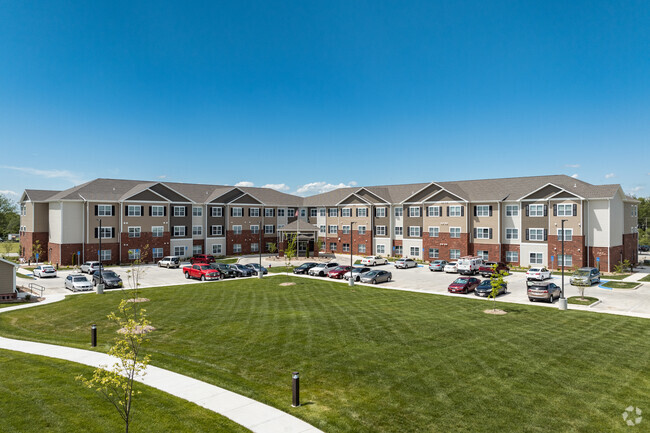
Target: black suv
225, 270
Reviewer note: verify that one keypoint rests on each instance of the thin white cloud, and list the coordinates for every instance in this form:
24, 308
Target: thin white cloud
8, 192
634, 190
572, 165
609, 175
244, 183
321, 187
277, 186
162, 176
575, 175
49, 174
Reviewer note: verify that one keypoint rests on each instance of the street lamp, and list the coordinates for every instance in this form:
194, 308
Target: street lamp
563, 302
100, 283
259, 247
351, 279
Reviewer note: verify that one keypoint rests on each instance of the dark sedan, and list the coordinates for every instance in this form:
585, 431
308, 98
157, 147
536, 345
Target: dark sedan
224, 269
338, 272
241, 270
375, 277
463, 285
485, 288
304, 268
255, 267
110, 278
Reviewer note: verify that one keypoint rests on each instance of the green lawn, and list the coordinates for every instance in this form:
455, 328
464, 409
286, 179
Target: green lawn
646, 278
228, 261
587, 300
279, 269
9, 247
26, 277
620, 285
39, 394
615, 276
377, 360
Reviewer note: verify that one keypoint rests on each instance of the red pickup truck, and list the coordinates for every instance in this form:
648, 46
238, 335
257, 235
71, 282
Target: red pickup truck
202, 272
487, 269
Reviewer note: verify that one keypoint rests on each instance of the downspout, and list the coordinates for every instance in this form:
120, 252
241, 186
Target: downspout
609, 232
499, 231
120, 234
61, 231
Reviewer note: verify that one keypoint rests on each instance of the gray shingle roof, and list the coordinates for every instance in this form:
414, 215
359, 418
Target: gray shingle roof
40, 194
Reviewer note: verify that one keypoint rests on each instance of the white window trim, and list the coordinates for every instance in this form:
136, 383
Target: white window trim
568, 232
237, 229
133, 206
452, 229
537, 231
195, 209
434, 231
179, 211
482, 233
160, 229
237, 210
510, 207
138, 231
537, 210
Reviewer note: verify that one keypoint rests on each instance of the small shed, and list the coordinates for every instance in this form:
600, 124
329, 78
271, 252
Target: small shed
7, 280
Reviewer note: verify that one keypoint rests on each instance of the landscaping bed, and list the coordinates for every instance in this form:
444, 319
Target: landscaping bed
621, 285
577, 300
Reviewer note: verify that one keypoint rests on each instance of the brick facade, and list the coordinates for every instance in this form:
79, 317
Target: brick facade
27, 240
444, 243
599, 253
64, 254
91, 252
574, 248
510, 247
493, 250
147, 242
630, 247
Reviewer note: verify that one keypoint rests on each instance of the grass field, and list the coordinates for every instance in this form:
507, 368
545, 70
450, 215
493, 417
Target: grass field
620, 285
587, 300
377, 360
9, 247
39, 394
646, 278
615, 276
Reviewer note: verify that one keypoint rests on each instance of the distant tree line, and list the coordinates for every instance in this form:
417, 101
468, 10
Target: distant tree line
9, 217
644, 220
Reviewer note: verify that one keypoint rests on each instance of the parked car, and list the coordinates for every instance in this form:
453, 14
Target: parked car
405, 263
463, 285
546, 290
644, 248
241, 270
90, 267
469, 265
169, 262
322, 269
437, 265
202, 258
202, 271
539, 274
585, 277
43, 271
487, 269
451, 268
485, 288
304, 268
356, 272
374, 260
255, 268
76, 282
375, 277
224, 269
111, 279
338, 272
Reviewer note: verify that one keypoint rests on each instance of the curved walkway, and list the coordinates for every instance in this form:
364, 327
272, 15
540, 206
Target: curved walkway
253, 415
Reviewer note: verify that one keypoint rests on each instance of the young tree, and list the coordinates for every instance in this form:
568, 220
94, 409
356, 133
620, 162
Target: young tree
290, 251
496, 280
273, 248
37, 249
116, 383
137, 271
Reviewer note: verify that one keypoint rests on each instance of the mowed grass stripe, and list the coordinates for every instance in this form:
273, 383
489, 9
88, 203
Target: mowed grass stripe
381, 360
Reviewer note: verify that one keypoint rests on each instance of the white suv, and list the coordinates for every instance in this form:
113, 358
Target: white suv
90, 267
169, 262
322, 269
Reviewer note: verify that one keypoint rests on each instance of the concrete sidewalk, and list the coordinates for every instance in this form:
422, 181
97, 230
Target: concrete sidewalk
253, 415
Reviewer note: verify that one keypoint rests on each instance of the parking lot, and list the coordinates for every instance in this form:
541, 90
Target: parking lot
619, 301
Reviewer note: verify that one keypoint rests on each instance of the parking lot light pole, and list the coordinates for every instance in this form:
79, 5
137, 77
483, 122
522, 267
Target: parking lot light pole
563, 302
100, 283
259, 272
351, 279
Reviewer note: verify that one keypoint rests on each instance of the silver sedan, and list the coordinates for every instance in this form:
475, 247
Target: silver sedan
375, 277
77, 282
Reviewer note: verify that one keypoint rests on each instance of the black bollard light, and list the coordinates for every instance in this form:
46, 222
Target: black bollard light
93, 336
296, 389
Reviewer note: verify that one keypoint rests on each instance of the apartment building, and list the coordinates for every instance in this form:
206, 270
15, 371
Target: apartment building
516, 220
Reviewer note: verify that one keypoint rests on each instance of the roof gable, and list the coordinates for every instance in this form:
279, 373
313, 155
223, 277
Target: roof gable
353, 199
146, 195
370, 196
442, 195
246, 199
228, 196
169, 193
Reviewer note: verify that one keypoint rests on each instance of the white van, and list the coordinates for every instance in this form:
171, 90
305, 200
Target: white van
469, 265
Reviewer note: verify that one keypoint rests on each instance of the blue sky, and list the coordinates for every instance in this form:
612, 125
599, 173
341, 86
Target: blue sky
308, 95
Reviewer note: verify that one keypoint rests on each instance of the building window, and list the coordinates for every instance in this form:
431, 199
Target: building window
157, 231
454, 232
197, 230
237, 212
236, 248
255, 230
635, 210
313, 212
179, 211
322, 228
568, 260
268, 212
536, 258
216, 249
434, 253
434, 232
399, 230
134, 232
197, 249
565, 210
482, 210
512, 210
512, 234
362, 248
380, 212
255, 247
346, 212
134, 254
414, 232
399, 211
179, 251
107, 233
217, 212
281, 212
434, 211
303, 213
102, 210
361, 230
333, 212
380, 230
398, 250
197, 211
415, 251
484, 255
568, 234
346, 248
414, 211
254, 211
455, 211
269, 229
454, 254
105, 255
321, 211
157, 211
134, 210
179, 231
157, 253
535, 234
236, 230
23, 210
362, 212
332, 246
332, 229
381, 249
482, 233
512, 256
217, 230
536, 210
346, 230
